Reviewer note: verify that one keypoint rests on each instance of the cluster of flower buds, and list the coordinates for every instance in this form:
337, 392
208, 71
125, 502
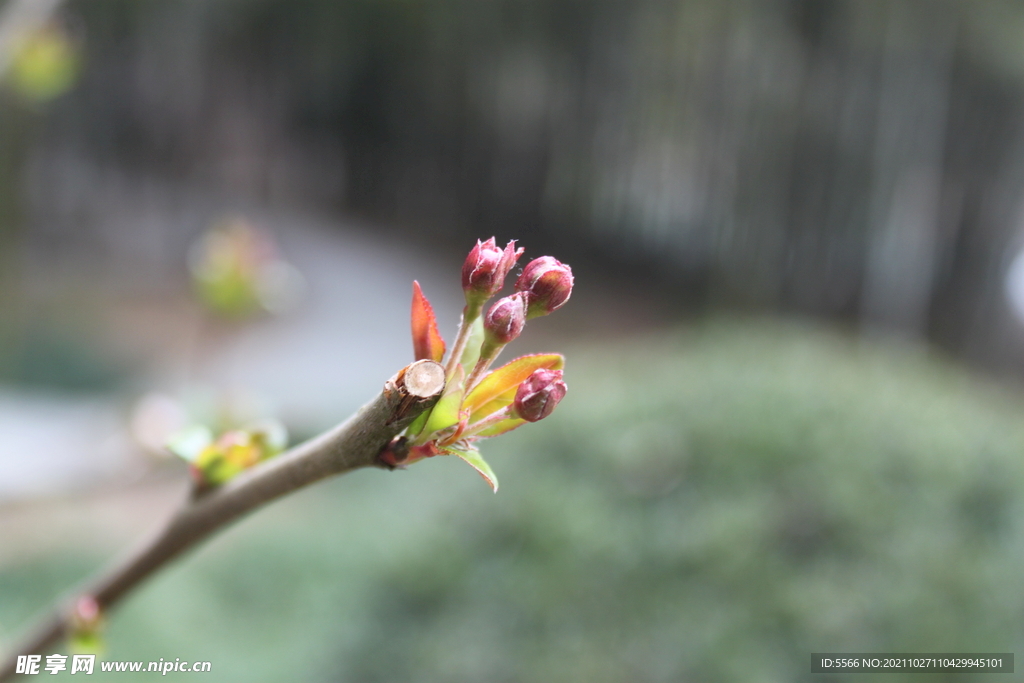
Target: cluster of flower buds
214, 461
477, 402
237, 271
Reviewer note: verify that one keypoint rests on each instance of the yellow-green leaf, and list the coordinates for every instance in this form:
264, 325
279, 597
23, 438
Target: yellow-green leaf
501, 427
494, 405
418, 424
87, 642
446, 413
476, 461
45, 64
508, 378
471, 354
216, 468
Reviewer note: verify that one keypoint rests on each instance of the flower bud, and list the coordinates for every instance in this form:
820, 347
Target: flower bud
86, 613
483, 273
547, 284
538, 395
505, 320
85, 626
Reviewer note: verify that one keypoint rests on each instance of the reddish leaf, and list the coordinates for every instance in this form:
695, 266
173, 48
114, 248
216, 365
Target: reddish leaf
498, 388
427, 343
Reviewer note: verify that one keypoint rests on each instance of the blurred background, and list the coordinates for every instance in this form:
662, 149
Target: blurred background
795, 347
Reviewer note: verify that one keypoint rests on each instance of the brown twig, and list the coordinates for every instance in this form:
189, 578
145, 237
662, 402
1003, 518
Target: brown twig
354, 444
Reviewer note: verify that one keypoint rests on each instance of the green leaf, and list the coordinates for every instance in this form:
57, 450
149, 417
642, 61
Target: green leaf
494, 405
446, 413
418, 424
501, 384
87, 642
45, 64
471, 354
476, 461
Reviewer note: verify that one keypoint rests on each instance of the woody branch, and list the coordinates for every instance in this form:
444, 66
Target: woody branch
354, 444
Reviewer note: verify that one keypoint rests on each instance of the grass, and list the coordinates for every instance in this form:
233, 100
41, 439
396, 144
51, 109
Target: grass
711, 504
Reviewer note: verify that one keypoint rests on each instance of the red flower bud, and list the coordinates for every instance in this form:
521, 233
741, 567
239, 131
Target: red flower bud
547, 284
538, 395
505, 320
483, 273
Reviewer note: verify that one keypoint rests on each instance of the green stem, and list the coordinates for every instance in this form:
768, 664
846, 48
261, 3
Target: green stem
487, 355
469, 316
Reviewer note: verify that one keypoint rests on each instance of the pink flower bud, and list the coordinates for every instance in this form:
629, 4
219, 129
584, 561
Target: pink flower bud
483, 273
547, 284
538, 395
87, 609
86, 616
505, 320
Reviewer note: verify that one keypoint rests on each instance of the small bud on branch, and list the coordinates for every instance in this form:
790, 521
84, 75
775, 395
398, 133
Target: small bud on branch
547, 284
505, 320
483, 273
538, 395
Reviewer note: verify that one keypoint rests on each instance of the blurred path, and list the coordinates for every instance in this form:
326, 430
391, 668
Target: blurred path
311, 366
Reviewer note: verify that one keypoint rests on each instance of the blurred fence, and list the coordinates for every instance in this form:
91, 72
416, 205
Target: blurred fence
846, 158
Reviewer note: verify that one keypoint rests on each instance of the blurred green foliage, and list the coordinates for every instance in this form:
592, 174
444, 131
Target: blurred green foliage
45, 64
714, 504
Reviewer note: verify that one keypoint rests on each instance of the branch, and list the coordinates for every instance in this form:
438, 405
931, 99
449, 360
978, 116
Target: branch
351, 445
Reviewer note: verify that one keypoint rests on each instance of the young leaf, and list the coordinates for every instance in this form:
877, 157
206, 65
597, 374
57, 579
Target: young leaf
215, 467
270, 435
427, 343
507, 378
471, 354
418, 424
87, 642
476, 461
446, 412
501, 427
494, 405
